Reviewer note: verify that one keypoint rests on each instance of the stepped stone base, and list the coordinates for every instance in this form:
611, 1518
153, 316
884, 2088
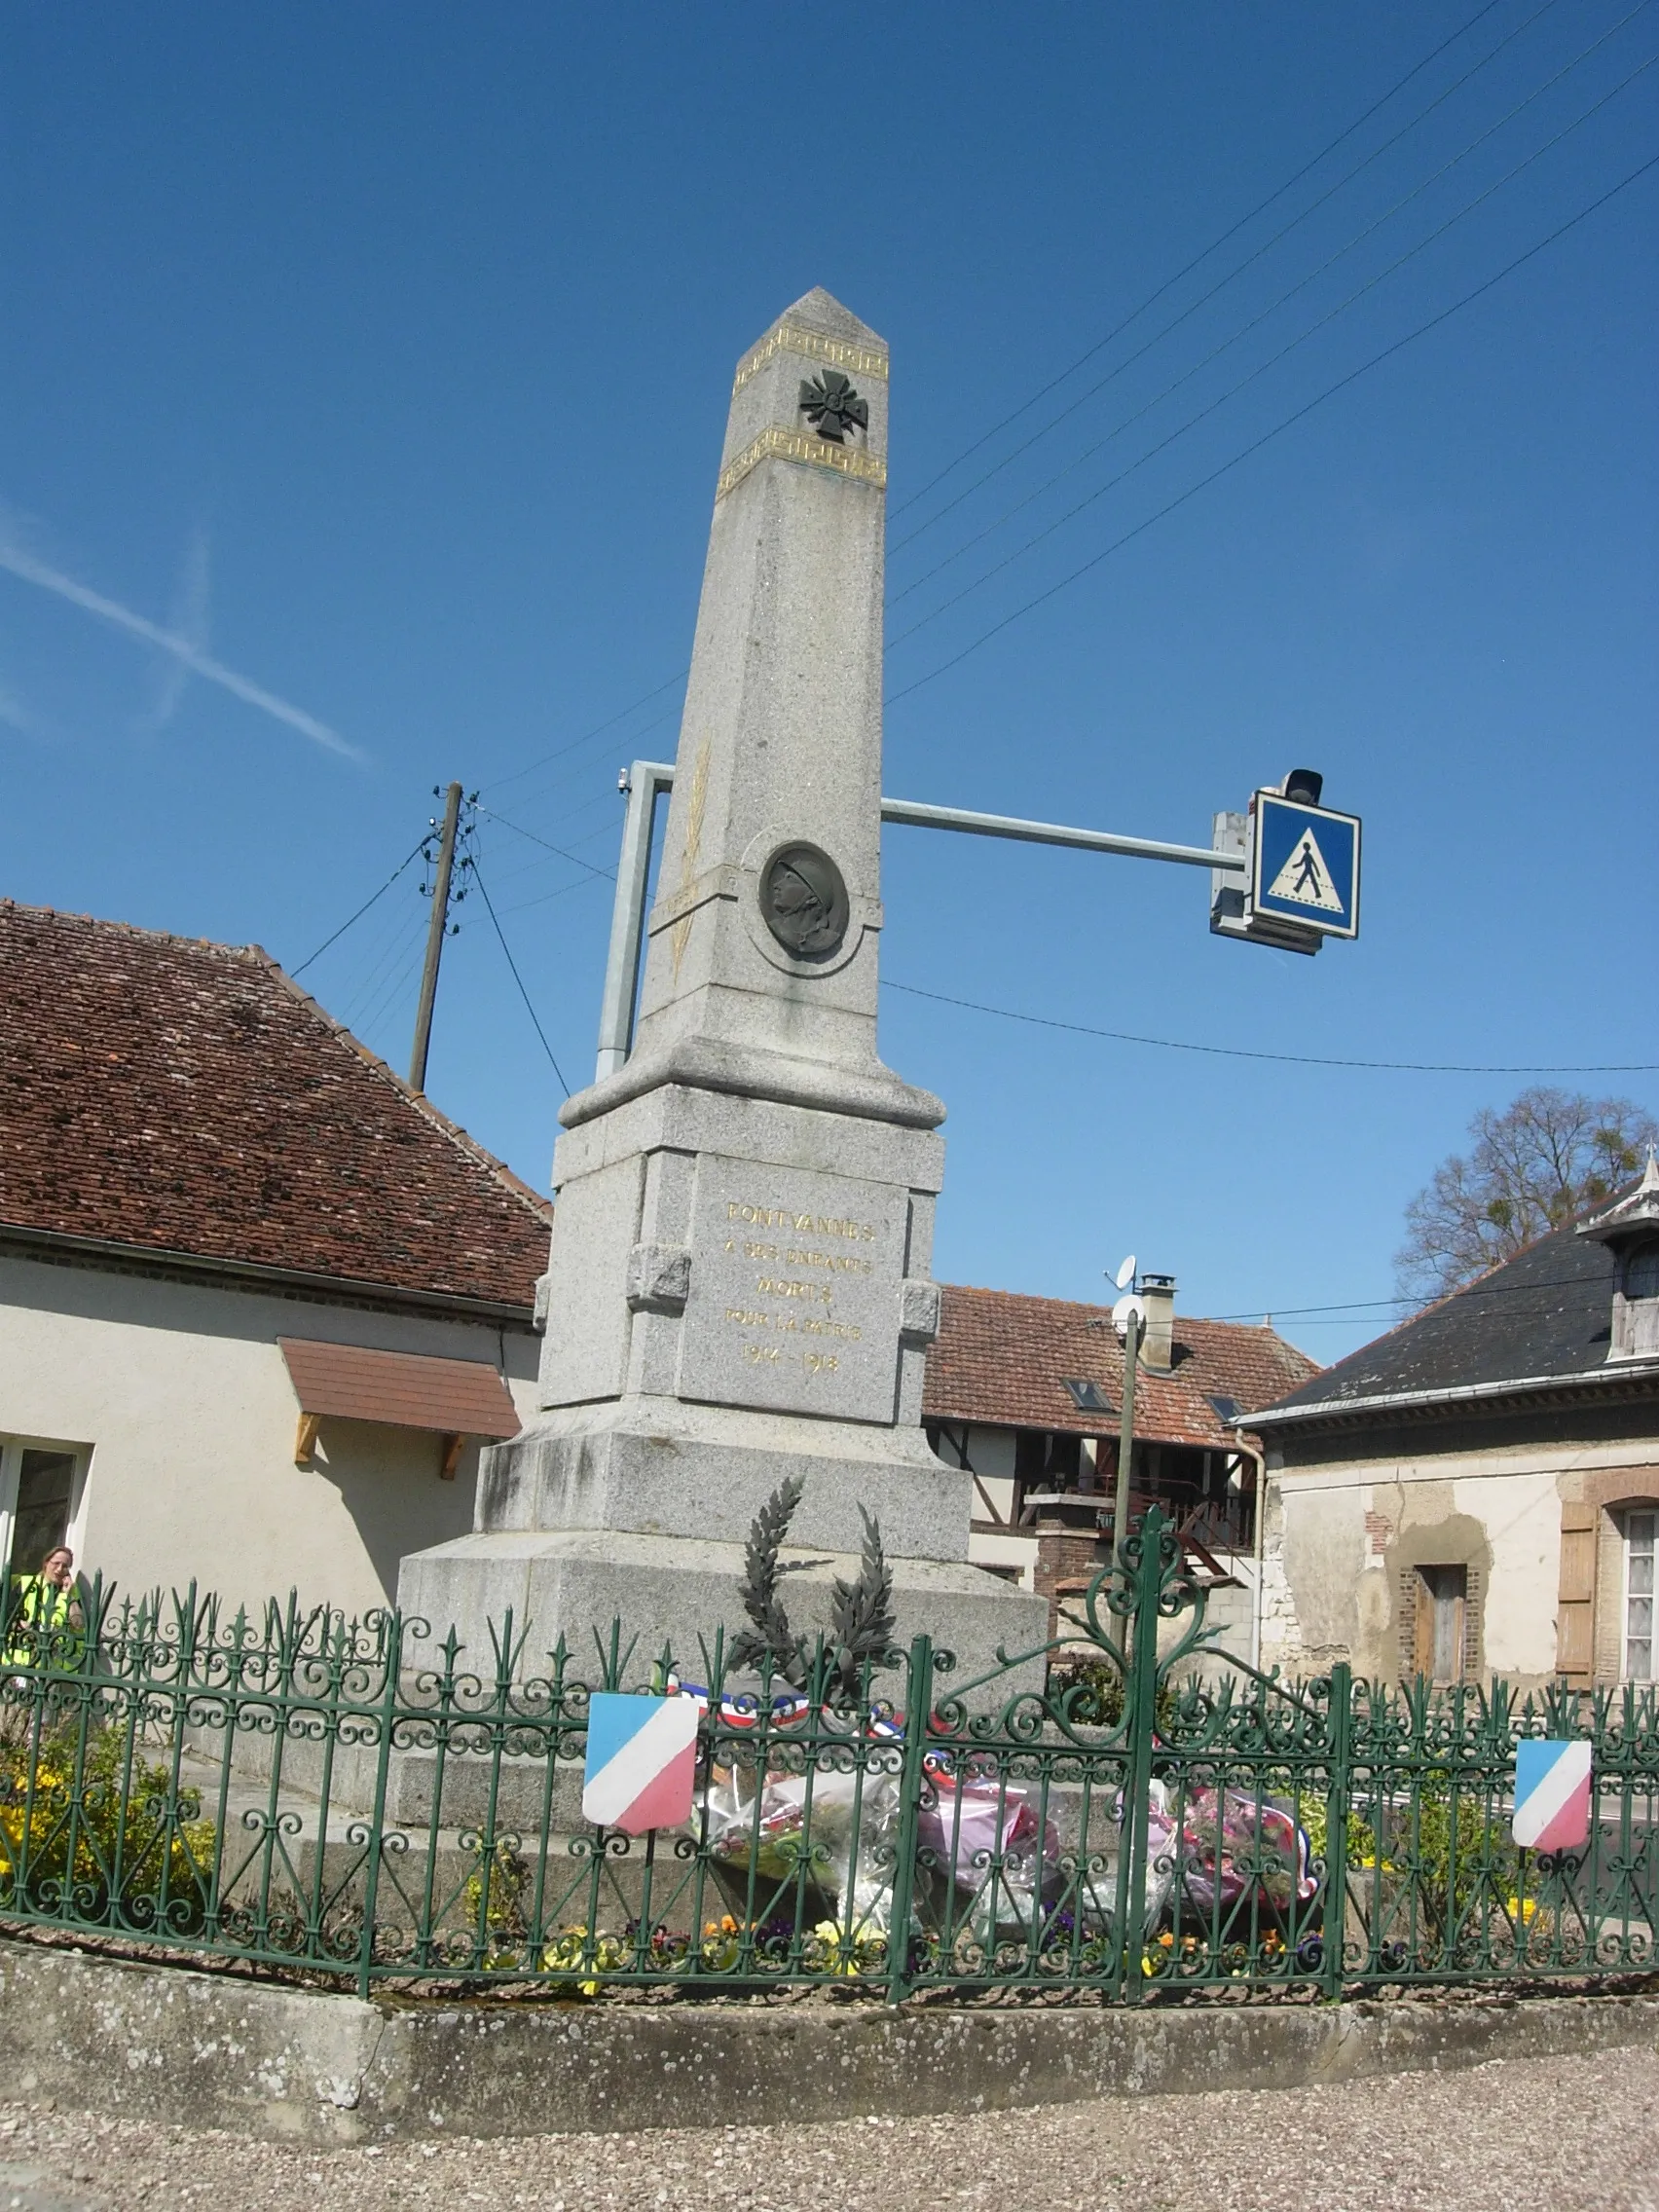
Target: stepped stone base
652, 1466
675, 1592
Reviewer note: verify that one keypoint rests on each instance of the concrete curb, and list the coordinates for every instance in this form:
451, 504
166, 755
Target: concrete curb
190, 2049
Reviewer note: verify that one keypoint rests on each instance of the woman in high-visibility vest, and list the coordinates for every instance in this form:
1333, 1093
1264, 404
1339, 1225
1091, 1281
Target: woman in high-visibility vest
47, 1621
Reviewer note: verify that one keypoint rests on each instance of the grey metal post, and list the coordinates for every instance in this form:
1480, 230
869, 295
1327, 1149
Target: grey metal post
648, 780
435, 940
1125, 1432
1126, 1454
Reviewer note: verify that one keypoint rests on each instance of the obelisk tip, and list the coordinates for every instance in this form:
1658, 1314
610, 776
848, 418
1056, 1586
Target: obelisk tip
820, 311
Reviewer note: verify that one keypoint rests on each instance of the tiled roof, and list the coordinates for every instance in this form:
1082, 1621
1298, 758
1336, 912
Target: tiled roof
175, 1095
1546, 1313
1004, 1361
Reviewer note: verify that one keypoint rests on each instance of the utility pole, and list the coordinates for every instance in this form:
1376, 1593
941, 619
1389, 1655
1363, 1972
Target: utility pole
435, 939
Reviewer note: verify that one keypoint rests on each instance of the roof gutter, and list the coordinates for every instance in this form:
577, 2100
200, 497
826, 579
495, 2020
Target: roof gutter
1458, 1394
57, 1245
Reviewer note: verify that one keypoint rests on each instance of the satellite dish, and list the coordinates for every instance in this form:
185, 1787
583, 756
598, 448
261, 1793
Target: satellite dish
1122, 1312
1125, 1274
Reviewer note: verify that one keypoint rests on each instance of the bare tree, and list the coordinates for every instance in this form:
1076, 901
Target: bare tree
1532, 1167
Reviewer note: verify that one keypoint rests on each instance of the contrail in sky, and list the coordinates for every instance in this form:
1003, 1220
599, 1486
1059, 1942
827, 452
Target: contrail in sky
187, 618
19, 562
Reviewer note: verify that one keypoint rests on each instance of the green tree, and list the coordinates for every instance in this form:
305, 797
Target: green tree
1533, 1167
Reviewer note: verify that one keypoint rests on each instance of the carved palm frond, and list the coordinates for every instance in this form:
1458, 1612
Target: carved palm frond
862, 1621
770, 1637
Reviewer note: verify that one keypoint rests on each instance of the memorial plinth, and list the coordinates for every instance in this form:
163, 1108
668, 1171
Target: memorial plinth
740, 1286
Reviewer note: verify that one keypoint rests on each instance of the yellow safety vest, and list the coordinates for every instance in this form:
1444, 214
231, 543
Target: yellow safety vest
43, 1611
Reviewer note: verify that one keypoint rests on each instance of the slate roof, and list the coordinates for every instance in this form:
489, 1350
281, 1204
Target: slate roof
174, 1096
1002, 1360
1545, 1313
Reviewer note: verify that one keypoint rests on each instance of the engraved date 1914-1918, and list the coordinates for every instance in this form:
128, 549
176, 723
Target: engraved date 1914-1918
815, 1362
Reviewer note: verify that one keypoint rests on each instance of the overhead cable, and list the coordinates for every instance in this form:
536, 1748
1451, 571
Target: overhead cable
1151, 300
1248, 1053
1243, 331
598, 730
362, 910
1232, 231
518, 828
1267, 436
500, 935
1474, 1289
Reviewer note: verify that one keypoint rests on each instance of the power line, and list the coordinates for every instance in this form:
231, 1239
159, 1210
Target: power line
362, 911
546, 898
1247, 1052
1243, 331
1267, 437
397, 981
609, 874
634, 740
365, 1002
1231, 230
1364, 1305
1221, 399
598, 730
478, 879
1150, 301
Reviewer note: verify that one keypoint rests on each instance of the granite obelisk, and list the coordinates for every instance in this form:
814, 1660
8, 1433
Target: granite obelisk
740, 1284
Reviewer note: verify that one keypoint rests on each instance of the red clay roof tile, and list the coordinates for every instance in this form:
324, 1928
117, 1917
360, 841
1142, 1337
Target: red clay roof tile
1002, 1360
182, 1096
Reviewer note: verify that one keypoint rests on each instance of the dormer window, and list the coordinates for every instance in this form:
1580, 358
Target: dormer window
1629, 1229
1636, 1307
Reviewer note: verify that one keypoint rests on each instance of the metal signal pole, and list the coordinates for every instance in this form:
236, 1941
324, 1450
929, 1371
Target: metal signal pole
435, 939
1132, 1336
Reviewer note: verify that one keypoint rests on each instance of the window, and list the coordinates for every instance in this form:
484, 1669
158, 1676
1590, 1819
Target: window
1638, 1531
1636, 1307
38, 1498
1442, 1609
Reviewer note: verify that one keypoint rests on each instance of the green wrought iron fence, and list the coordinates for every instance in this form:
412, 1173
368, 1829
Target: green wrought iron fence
357, 1801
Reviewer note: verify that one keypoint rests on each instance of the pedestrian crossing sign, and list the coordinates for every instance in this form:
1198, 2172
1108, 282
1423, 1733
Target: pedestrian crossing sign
1305, 865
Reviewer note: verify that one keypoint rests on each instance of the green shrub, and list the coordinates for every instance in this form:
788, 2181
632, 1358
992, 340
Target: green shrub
106, 1846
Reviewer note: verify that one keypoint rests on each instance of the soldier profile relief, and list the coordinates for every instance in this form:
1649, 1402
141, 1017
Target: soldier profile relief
804, 900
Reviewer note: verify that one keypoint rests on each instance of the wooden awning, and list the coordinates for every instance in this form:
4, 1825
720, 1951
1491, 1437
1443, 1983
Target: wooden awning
455, 1398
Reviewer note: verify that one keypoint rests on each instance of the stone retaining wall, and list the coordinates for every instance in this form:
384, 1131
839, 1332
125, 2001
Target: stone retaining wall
216, 2051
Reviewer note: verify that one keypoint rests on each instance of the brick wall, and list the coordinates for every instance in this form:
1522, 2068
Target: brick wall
1065, 1556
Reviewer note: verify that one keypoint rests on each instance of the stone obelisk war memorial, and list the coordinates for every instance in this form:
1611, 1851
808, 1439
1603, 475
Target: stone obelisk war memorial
740, 1288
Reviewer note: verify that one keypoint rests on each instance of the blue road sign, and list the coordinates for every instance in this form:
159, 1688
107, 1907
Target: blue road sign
1305, 866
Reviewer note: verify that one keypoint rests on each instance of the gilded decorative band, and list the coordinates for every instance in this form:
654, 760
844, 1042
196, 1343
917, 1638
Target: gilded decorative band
790, 337
799, 445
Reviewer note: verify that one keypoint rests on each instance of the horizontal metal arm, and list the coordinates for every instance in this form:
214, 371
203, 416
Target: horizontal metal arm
646, 778
920, 817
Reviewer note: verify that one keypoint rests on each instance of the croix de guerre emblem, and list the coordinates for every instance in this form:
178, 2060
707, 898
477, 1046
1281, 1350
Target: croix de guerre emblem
831, 406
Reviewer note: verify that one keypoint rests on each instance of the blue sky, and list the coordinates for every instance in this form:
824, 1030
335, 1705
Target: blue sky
380, 356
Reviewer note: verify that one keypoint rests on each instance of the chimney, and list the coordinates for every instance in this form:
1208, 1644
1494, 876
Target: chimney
1157, 1294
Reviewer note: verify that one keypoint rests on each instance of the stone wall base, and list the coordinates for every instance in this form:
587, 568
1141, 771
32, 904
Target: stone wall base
195, 2050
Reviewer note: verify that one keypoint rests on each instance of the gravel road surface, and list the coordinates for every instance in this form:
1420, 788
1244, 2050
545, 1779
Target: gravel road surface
1528, 2135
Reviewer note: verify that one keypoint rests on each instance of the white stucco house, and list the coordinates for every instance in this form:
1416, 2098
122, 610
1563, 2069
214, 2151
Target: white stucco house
1477, 1492
259, 1302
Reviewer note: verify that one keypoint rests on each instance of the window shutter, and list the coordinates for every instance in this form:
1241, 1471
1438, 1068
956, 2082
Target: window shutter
1423, 1629
1576, 1605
